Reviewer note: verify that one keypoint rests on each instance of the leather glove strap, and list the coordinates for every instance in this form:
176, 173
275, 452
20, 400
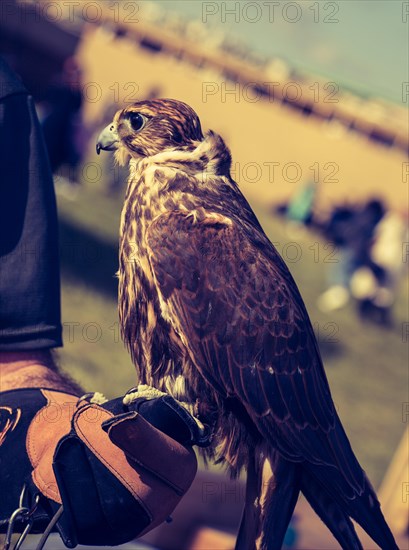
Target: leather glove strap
116, 475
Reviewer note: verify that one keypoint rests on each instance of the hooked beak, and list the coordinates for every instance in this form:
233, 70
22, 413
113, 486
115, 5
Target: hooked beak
107, 139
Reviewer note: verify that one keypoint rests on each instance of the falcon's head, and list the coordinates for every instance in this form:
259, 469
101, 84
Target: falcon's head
150, 127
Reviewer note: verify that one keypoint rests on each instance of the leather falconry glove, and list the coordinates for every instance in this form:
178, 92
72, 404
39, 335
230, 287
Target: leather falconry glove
105, 471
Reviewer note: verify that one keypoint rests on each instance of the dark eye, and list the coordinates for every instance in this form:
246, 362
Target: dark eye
137, 121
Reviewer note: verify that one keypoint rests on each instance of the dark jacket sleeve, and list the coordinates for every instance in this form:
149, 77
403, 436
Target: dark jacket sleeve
29, 263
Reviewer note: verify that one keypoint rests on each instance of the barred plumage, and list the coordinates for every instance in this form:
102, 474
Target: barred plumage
204, 297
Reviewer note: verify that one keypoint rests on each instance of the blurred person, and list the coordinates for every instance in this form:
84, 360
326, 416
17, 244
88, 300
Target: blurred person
339, 230
375, 284
62, 126
365, 221
352, 231
365, 274
300, 207
99, 472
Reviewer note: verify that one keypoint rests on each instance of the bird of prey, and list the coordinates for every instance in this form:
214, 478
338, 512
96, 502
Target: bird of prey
211, 313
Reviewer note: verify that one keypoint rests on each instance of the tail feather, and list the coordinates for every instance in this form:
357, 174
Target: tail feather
271, 496
363, 508
366, 511
250, 525
330, 513
282, 489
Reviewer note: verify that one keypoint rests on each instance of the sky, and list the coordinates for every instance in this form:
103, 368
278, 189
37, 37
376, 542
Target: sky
361, 44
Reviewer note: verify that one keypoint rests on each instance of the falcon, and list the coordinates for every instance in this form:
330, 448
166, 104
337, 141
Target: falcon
211, 314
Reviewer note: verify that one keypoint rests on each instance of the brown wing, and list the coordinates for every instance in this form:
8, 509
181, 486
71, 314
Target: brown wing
240, 314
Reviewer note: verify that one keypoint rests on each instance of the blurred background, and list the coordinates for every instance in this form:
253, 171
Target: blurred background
312, 98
